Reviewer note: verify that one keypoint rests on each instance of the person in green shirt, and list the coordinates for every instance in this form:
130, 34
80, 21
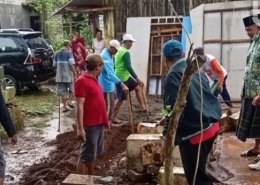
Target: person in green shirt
249, 123
127, 75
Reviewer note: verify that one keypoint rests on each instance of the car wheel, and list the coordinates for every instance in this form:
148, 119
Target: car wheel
11, 82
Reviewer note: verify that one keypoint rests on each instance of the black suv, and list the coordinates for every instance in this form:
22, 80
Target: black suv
26, 57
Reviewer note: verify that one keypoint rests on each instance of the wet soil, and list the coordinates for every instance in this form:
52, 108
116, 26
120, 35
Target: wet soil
61, 150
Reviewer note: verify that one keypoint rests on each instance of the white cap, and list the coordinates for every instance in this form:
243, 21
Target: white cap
115, 44
128, 37
256, 19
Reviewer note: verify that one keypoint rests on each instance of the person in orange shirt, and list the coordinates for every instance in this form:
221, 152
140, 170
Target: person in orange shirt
217, 74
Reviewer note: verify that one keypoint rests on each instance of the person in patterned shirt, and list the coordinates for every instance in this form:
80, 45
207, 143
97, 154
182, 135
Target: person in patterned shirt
249, 122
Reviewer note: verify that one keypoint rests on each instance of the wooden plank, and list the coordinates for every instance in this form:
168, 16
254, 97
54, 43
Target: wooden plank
167, 31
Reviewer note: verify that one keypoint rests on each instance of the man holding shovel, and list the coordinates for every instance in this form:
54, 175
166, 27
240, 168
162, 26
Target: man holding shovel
126, 74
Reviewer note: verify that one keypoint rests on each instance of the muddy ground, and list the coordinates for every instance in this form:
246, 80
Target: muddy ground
43, 156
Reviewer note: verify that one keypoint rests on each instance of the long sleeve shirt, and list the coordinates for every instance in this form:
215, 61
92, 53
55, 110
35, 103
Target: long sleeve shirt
108, 78
252, 75
189, 122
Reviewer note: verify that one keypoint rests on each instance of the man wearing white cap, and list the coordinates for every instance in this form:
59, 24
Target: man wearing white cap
108, 78
249, 123
126, 74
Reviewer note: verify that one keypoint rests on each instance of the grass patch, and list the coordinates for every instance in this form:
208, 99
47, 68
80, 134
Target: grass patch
38, 103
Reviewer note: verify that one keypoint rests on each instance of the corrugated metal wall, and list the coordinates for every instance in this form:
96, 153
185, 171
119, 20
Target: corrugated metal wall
146, 8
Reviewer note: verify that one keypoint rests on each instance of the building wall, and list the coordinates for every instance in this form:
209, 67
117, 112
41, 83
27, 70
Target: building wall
13, 14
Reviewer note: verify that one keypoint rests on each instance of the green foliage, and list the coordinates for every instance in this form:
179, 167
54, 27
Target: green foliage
86, 33
49, 24
166, 111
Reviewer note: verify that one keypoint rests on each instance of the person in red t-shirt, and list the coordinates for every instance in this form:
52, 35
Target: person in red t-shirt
91, 114
79, 52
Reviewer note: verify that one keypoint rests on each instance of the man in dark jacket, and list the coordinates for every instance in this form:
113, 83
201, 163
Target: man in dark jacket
189, 131
7, 124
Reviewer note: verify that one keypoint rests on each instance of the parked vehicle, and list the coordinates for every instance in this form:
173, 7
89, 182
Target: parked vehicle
26, 57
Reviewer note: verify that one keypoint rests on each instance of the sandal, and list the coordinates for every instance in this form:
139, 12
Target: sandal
65, 110
249, 153
71, 106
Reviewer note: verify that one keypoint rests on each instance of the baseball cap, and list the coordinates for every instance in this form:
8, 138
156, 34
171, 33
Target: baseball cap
248, 21
115, 44
172, 48
128, 37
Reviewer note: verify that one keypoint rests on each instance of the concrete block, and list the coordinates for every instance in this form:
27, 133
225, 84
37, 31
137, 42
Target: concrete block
133, 149
149, 128
177, 157
152, 153
2, 73
9, 93
178, 176
76, 179
225, 123
233, 119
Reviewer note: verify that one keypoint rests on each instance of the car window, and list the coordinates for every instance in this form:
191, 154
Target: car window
37, 42
7, 44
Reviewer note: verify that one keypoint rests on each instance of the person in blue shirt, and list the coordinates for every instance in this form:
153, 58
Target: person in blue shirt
108, 78
65, 74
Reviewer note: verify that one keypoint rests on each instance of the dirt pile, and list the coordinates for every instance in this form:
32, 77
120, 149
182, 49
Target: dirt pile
62, 161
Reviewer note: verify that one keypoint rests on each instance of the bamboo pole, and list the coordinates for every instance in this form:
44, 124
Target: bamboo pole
176, 112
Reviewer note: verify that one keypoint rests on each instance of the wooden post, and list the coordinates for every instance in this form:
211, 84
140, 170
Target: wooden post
176, 112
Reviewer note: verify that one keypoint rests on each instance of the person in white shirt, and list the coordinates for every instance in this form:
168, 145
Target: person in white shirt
98, 43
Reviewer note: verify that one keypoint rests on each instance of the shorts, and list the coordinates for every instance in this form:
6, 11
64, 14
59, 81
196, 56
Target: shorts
65, 89
94, 144
130, 83
2, 162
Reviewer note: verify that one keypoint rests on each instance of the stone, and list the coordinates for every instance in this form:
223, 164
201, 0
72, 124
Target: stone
178, 176
225, 124
149, 128
133, 149
135, 176
109, 180
123, 162
233, 119
151, 153
76, 179
152, 169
